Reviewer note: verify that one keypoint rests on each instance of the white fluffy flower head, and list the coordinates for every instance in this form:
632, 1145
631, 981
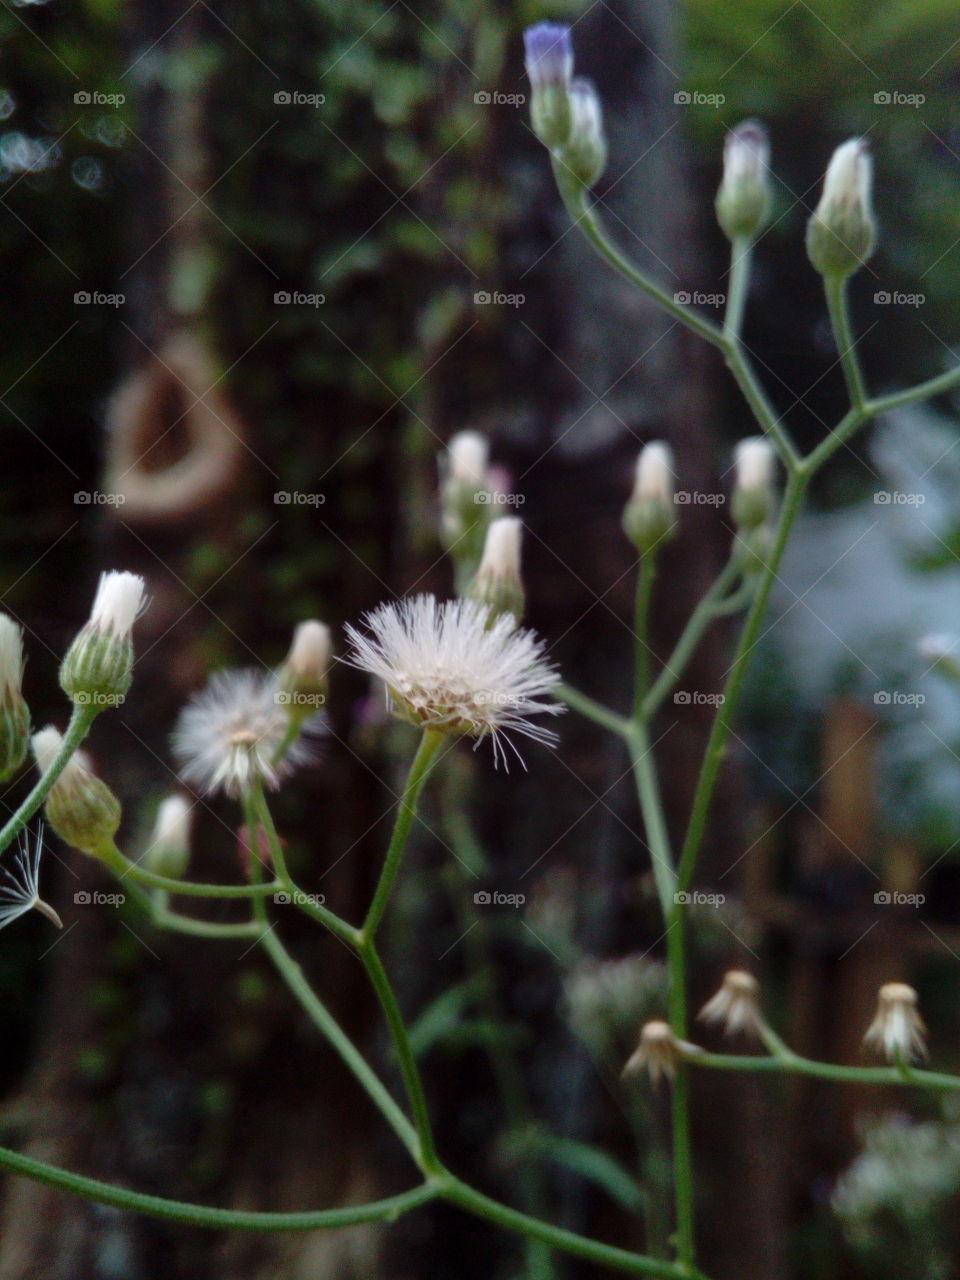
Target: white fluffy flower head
447, 666
230, 734
11, 655
897, 1032
118, 603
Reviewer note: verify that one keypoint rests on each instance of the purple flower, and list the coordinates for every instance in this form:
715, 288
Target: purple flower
549, 52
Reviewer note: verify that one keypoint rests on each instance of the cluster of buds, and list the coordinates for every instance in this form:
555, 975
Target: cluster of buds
649, 518
565, 109
98, 667
81, 808
743, 200
497, 583
841, 232
14, 714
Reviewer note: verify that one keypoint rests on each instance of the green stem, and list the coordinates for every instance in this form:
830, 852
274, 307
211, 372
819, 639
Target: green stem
198, 1215
835, 288
321, 1017
406, 812
651, 806
646, 577
680, 1092
792, 1063
710, 607
427, 1158
723, 722
577, 1246
78, 728
937, 386
190, 889
205, 928
741, 251
583, 214
593, 710
262, 817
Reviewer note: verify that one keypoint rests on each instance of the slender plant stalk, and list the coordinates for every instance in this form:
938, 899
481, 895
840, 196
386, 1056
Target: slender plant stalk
738, 285
81, 719
835, 288
406, 812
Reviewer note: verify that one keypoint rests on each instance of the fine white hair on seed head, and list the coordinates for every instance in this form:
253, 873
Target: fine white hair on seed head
448, 667
230, 733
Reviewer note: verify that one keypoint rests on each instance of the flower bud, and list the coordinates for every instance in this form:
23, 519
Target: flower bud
169, 850
736, 1006
754, 495
584, 154
97, 669
841, 232
659, 1051
549, 63
497, 583
743, 200
82, 810
648, 517
897, 1032
14, 715
754, 547
465, 495
304, 676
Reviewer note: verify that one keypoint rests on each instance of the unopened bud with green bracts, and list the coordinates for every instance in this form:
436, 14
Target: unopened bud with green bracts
549, 63
743, 200
98, 667
584, 154
304, 676
649, 518
14, 714
169, 850
497, 583
841, 232
754, 490
81, 808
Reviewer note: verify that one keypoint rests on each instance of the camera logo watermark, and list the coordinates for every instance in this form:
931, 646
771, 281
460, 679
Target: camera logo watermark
299, 899
496, 299
695, 498
885, 898
287, 698
94, 98
894, 698
494, 898
683, 298
84, 699
94, 898
94, 498
884, 298
484, 98
286, 298
695, 898
493, 498
296, 498
83, 298
894, 498
694, 98
894, 98
697, 698
294, 98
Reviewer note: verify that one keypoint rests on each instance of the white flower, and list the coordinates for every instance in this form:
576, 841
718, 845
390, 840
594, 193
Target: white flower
497, 583
20, 885
448, 666
11, 656
654, 476
659, 1051
310, 653
466, 461
736, 1006
897, 1031
118, 603
230, 734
